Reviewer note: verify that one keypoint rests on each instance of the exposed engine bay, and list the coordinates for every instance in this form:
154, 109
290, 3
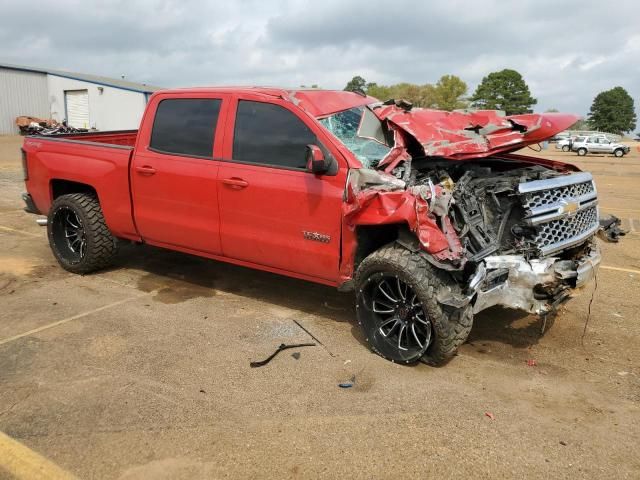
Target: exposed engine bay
485, 210
490, 212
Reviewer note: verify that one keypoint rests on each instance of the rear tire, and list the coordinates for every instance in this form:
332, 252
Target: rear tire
582, 152
618, 152
565, 148
78, 235
396, 294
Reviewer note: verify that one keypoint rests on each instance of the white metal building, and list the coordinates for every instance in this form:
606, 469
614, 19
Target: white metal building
85, 101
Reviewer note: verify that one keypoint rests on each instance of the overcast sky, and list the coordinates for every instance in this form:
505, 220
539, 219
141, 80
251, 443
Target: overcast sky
567, 51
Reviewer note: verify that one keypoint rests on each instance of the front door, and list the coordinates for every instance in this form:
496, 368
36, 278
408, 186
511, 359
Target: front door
174, 175
273, 211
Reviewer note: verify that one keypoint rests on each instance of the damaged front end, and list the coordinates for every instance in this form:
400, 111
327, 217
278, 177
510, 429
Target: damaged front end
537, 286
511, 230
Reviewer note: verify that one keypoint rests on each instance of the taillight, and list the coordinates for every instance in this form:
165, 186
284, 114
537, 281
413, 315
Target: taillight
25, 170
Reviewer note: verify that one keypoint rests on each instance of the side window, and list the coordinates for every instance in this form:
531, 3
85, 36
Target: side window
185, 126
269, 134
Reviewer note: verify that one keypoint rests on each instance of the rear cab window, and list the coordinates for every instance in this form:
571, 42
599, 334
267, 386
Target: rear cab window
270, 135
185, 126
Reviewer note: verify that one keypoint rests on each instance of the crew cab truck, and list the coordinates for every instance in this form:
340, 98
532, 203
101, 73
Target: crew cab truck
428, 216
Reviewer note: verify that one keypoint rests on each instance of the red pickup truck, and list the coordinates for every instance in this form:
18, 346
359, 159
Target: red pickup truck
427, 215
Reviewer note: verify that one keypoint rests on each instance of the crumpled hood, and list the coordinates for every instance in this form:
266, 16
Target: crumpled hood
462, 135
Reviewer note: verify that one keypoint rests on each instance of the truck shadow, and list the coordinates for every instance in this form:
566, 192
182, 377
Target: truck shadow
503, 325
178, 277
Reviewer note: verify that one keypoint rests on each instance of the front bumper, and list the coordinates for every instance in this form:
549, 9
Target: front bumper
535, 286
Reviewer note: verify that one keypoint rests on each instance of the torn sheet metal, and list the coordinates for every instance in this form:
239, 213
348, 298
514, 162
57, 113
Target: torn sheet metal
375, 198
521, 289
469, 134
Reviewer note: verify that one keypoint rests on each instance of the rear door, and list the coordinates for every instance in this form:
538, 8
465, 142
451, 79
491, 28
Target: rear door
273, 211
174, 172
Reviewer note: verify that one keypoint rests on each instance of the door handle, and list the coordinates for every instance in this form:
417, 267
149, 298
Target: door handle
235, 182
145, 170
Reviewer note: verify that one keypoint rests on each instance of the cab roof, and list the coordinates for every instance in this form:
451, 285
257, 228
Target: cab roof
319, 103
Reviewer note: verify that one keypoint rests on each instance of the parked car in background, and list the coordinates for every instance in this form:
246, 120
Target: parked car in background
564, 144
598, 144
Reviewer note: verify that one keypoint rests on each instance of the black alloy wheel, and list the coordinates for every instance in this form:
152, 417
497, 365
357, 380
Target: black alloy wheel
398, 309
69, 235
398, 314
78, 234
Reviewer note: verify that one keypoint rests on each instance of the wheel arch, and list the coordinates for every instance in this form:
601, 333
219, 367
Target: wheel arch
59, 187
370, 238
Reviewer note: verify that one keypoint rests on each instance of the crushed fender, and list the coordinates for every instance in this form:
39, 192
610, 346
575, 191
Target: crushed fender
377, 198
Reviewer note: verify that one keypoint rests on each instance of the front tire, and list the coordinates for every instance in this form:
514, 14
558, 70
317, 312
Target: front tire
78, 235
399, 313
565, 148
618, 153
582, 152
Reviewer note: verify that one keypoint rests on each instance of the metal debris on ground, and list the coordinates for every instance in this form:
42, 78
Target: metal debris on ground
490, 415
278, 350
531, 363
314, 337
610, 229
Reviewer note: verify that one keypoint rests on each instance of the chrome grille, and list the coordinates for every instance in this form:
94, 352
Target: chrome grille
561, 230
562, 209
551, 197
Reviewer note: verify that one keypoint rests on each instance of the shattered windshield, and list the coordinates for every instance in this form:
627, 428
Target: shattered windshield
345, 126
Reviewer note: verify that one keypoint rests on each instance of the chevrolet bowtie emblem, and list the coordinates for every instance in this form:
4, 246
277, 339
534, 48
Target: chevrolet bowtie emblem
569, 206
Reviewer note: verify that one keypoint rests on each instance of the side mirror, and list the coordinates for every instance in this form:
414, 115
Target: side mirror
316, 163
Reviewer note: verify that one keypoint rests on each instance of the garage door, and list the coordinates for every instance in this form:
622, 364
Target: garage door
77, 102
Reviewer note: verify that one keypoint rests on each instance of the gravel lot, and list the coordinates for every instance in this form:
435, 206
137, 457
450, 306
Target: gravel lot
143, 370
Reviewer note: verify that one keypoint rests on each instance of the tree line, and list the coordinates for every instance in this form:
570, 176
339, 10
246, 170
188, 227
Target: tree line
611, 111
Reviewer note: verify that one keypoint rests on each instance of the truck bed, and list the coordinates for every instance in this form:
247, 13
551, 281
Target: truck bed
98, 160
120, 138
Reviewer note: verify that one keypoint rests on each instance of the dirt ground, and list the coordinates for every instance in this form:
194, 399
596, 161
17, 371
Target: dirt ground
142, 371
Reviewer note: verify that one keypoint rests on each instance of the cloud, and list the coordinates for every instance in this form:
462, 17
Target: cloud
566, 51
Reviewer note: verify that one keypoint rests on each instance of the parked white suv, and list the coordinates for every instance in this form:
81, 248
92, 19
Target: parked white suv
598, 144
